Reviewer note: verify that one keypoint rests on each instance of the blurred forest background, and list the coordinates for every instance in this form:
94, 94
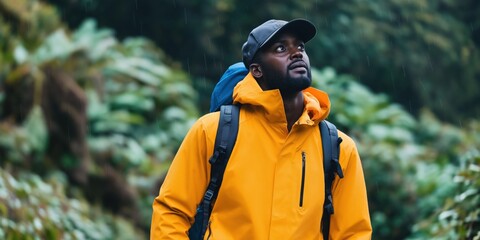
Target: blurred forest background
96, 96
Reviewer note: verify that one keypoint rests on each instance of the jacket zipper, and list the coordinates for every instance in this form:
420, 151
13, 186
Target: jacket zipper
302, 186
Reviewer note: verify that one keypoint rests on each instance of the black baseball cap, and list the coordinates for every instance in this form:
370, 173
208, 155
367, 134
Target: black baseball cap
260, 36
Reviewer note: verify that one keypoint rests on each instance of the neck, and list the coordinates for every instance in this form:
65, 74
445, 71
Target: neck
293, 106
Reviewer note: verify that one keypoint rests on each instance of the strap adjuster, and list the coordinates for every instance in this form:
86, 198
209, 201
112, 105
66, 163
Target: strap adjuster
208, 195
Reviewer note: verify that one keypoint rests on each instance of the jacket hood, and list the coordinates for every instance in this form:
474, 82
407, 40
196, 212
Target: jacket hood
248, 92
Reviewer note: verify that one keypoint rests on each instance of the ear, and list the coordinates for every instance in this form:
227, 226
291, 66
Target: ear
256, 70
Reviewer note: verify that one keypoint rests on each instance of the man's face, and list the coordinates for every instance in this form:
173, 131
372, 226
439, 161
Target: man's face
285, 65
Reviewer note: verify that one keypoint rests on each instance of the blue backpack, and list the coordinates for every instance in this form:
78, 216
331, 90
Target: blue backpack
225, 141
223, 91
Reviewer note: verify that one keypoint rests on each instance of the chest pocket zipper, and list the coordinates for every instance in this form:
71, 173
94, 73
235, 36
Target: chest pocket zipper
302, 185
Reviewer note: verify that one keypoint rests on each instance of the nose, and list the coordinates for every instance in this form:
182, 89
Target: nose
297, 53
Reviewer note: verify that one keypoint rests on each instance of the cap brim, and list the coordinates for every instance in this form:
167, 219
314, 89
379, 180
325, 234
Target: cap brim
304, 29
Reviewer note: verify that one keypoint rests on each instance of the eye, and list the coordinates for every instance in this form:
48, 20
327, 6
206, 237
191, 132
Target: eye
280, 48
301, 47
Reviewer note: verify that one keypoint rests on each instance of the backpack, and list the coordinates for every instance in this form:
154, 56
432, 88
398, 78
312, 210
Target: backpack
223, 91
224, 143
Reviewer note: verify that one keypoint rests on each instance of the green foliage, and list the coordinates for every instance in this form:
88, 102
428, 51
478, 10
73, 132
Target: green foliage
459, 218
422, 53
28, 140
408, 163
140, 106
384, 135
140, 93
31, 208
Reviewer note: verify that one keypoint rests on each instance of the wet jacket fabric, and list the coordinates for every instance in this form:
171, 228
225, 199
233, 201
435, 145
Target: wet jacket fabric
273, 187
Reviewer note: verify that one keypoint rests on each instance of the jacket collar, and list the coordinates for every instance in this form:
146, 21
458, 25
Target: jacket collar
248, 92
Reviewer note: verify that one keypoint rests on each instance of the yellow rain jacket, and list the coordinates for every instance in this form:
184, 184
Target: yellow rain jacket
260, 196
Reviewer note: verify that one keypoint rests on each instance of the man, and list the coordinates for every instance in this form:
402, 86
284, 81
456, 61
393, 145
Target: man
273, 184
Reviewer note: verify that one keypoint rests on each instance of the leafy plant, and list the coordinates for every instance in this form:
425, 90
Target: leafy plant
421, 53
459, 218
408, 163
139, 107
31, 208
384, 135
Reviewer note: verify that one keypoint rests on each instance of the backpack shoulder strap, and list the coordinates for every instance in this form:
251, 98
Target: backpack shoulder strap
224, 141
331, 153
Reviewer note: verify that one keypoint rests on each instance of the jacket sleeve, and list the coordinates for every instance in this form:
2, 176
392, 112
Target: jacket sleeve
175, 206
351, 218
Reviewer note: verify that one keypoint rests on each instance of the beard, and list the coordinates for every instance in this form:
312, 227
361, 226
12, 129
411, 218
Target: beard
287, 84
293, 85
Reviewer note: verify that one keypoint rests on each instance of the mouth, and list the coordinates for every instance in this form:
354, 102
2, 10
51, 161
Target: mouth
298, 66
